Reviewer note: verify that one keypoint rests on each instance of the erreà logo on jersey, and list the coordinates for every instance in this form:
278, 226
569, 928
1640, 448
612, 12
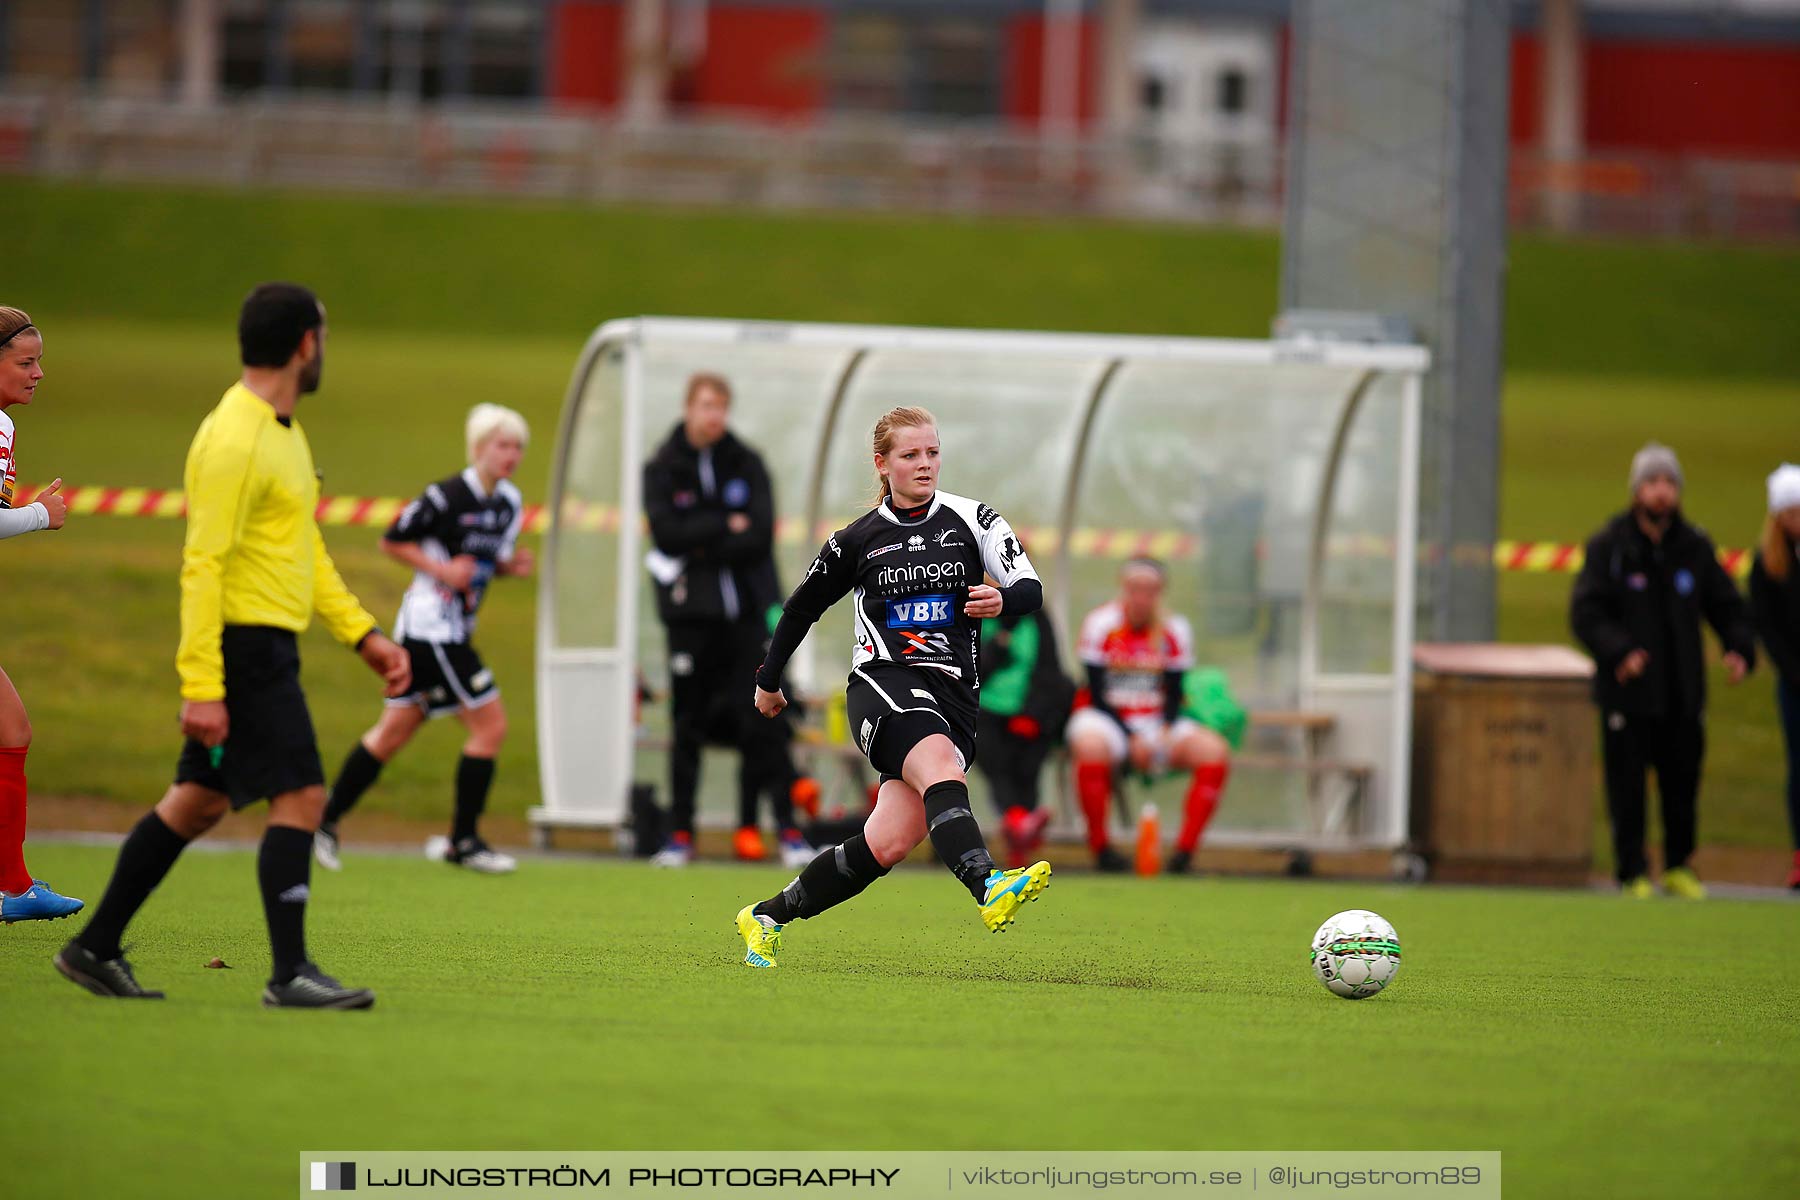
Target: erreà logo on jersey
921, 612
928, 572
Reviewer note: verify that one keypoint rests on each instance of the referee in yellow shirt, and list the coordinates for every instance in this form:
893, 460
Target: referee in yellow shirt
253, 572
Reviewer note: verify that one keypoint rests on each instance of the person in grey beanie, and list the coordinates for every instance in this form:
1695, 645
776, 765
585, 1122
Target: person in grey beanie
1648, 580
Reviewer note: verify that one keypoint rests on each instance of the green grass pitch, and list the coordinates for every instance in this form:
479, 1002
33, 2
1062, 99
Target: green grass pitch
1604, 1047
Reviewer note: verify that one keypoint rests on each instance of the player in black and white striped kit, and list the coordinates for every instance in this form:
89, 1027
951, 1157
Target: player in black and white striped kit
915, 566
457, 536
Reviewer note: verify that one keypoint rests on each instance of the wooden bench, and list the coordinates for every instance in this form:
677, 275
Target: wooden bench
1329, 807
1335, 787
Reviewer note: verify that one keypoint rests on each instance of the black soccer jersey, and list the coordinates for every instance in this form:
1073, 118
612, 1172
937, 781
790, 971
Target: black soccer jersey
911, 575
451, 517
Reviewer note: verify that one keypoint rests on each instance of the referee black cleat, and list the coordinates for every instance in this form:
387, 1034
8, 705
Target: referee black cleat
312, 988
101, 976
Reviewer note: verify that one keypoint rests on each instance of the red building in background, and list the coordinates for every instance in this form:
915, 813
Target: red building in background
1699, 78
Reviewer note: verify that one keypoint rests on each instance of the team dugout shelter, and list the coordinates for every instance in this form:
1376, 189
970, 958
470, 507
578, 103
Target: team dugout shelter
1277, 479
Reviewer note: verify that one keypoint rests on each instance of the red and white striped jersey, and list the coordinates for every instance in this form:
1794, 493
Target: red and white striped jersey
1134, 659
8, 476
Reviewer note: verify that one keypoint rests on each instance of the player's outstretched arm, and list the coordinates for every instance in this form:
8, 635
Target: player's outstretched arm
827, 581
47, 511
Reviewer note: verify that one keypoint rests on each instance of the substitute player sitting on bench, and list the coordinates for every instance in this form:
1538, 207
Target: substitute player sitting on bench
1135, 655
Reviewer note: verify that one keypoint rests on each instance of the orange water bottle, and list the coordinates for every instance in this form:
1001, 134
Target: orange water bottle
1149, 842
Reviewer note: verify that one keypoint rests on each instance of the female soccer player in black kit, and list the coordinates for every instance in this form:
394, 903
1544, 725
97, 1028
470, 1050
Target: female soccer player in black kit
915, 564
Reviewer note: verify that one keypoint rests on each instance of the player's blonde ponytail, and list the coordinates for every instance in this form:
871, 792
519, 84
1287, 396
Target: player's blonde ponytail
893, 420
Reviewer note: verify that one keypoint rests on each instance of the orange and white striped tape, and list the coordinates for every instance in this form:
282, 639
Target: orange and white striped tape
1529, 557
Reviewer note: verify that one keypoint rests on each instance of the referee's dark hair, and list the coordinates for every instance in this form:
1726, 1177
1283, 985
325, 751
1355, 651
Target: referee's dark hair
273, 320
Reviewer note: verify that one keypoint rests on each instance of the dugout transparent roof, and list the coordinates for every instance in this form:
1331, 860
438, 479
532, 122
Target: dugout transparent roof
1278, 481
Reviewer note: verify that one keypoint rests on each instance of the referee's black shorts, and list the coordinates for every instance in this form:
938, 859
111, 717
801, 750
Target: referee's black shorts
893, 707
270, 748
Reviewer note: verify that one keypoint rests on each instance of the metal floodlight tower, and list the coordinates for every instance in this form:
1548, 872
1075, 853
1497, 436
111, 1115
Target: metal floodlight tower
1396, 205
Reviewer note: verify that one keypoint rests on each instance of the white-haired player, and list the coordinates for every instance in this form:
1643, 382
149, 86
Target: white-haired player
457, 536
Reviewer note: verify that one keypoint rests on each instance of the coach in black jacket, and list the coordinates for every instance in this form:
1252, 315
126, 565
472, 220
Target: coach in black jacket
712, 519
1648, 580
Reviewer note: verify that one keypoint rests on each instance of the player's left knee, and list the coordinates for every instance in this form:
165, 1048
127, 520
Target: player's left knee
892, 845
302, 809
1203, 747
487, 734
191, 810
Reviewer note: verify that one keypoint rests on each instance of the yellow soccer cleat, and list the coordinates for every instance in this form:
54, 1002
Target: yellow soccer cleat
1683, 884
1008, 890
1638, 888
762, 942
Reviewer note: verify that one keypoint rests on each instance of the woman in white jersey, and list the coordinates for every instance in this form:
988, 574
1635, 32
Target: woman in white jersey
22, 898
457, 536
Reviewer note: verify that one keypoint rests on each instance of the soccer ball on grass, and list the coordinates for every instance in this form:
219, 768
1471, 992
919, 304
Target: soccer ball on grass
1356, 954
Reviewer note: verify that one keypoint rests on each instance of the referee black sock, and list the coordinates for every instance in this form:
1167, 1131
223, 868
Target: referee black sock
956, 835
284, 869
356, 776
149, 851
474, 776
831, 878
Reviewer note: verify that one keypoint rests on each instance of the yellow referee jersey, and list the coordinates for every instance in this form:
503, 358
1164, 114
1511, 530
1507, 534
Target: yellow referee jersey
253, 555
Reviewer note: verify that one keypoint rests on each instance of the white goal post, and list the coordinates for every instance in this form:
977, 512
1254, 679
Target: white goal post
1279, 480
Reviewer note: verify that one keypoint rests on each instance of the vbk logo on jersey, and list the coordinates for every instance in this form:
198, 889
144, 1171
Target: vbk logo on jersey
921, 612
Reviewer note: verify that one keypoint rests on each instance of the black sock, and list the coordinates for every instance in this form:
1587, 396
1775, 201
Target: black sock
356, 776
284, 867
149, 851
828, 880
474, 776
956, 835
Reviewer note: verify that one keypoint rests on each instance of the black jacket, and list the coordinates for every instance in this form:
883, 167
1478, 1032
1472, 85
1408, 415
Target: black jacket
1635, 594
723, 575
1776, 607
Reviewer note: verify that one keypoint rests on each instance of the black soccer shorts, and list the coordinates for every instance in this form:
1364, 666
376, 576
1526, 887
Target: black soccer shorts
893, 707
446, 676
270, 748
